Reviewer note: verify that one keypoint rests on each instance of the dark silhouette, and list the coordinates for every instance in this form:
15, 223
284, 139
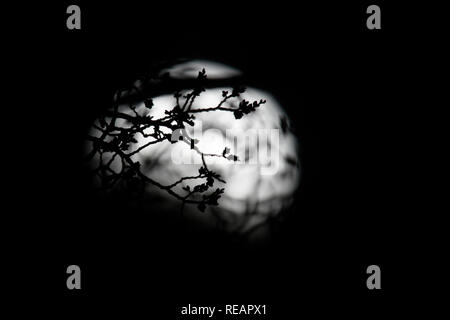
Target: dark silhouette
117, 140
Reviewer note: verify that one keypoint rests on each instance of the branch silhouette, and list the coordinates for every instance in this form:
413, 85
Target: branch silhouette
115, 141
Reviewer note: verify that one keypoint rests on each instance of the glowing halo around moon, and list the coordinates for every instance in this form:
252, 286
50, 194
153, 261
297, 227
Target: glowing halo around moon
258, 186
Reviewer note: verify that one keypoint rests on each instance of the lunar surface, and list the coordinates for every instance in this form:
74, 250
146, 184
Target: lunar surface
259, 185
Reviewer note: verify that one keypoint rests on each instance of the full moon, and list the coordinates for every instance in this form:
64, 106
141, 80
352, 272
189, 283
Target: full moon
258, 186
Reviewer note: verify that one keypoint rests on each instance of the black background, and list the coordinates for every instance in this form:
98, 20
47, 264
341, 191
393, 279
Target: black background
341, 84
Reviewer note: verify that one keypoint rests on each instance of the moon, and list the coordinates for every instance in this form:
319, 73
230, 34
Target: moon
259, 186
